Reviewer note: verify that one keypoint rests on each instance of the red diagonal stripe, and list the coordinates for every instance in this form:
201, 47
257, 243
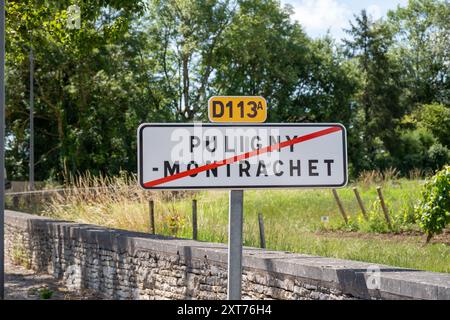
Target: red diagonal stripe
243, 156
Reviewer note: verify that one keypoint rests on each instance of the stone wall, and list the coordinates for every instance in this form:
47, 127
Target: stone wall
117, 264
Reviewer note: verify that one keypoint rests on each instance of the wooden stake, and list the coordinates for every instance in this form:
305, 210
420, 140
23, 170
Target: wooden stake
262, 235
152, 216
361, 204
383, 205
194, 219
341, 207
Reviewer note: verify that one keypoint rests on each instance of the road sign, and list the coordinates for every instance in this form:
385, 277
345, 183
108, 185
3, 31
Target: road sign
237, 109
237, 156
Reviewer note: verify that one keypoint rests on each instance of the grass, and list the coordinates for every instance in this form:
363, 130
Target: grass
292, 219
20, 256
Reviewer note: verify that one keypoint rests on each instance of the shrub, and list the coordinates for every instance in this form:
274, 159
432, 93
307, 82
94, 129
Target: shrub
438, 156
433, 210
45, 293
413, 149
435, 118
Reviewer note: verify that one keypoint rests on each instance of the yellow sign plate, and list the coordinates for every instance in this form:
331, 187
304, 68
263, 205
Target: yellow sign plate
237, 109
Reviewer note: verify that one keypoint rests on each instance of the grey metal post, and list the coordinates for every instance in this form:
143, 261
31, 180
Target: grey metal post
2, 149
194, 219
31, 172
235, 224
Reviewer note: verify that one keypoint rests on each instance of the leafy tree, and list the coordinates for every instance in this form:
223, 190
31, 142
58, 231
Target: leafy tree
247, 47
329, 86
265, 53
189, 33
413, 149
378, 96
438, 156
141, 61
436, 119
422, 47
249, 60
423, 139
93, 86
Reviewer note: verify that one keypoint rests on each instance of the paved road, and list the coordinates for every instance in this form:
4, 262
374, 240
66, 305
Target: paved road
24, 284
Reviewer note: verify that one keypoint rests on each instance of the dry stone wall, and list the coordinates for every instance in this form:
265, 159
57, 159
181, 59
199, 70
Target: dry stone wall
117, 264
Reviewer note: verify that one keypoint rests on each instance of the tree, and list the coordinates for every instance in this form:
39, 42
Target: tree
249, 60
436, 119
326, 92
422, 47
93, 86
189, 33
141, 61
265, 53
423, 139
246, 47
379, 92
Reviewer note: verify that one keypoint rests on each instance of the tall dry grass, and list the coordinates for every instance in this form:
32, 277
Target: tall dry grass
292, 218
116, 202
370, 177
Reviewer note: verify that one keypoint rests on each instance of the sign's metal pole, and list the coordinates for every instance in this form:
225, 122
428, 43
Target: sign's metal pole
235, 224
2, 149
31, 164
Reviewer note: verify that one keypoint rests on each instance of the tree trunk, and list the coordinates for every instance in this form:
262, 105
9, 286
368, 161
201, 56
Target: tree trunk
60, 125
186, 87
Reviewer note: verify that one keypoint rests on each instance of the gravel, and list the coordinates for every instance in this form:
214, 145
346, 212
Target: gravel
24, 284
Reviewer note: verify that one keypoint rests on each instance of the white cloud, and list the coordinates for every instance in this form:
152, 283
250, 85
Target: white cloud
374, 11
317, 15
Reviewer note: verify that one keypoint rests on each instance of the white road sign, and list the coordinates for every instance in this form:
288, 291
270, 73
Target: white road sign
236, 156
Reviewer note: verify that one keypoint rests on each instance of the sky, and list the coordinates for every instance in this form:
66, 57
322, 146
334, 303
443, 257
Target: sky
319, 16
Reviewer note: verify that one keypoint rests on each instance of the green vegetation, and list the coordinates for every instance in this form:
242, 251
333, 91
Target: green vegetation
292, 218
45, 293
433, 210
160, 60
20, 256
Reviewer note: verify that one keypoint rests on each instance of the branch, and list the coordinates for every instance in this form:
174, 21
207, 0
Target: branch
47, 153
209, 58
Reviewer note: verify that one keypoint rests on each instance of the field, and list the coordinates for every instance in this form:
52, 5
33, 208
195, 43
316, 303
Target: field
292, 219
